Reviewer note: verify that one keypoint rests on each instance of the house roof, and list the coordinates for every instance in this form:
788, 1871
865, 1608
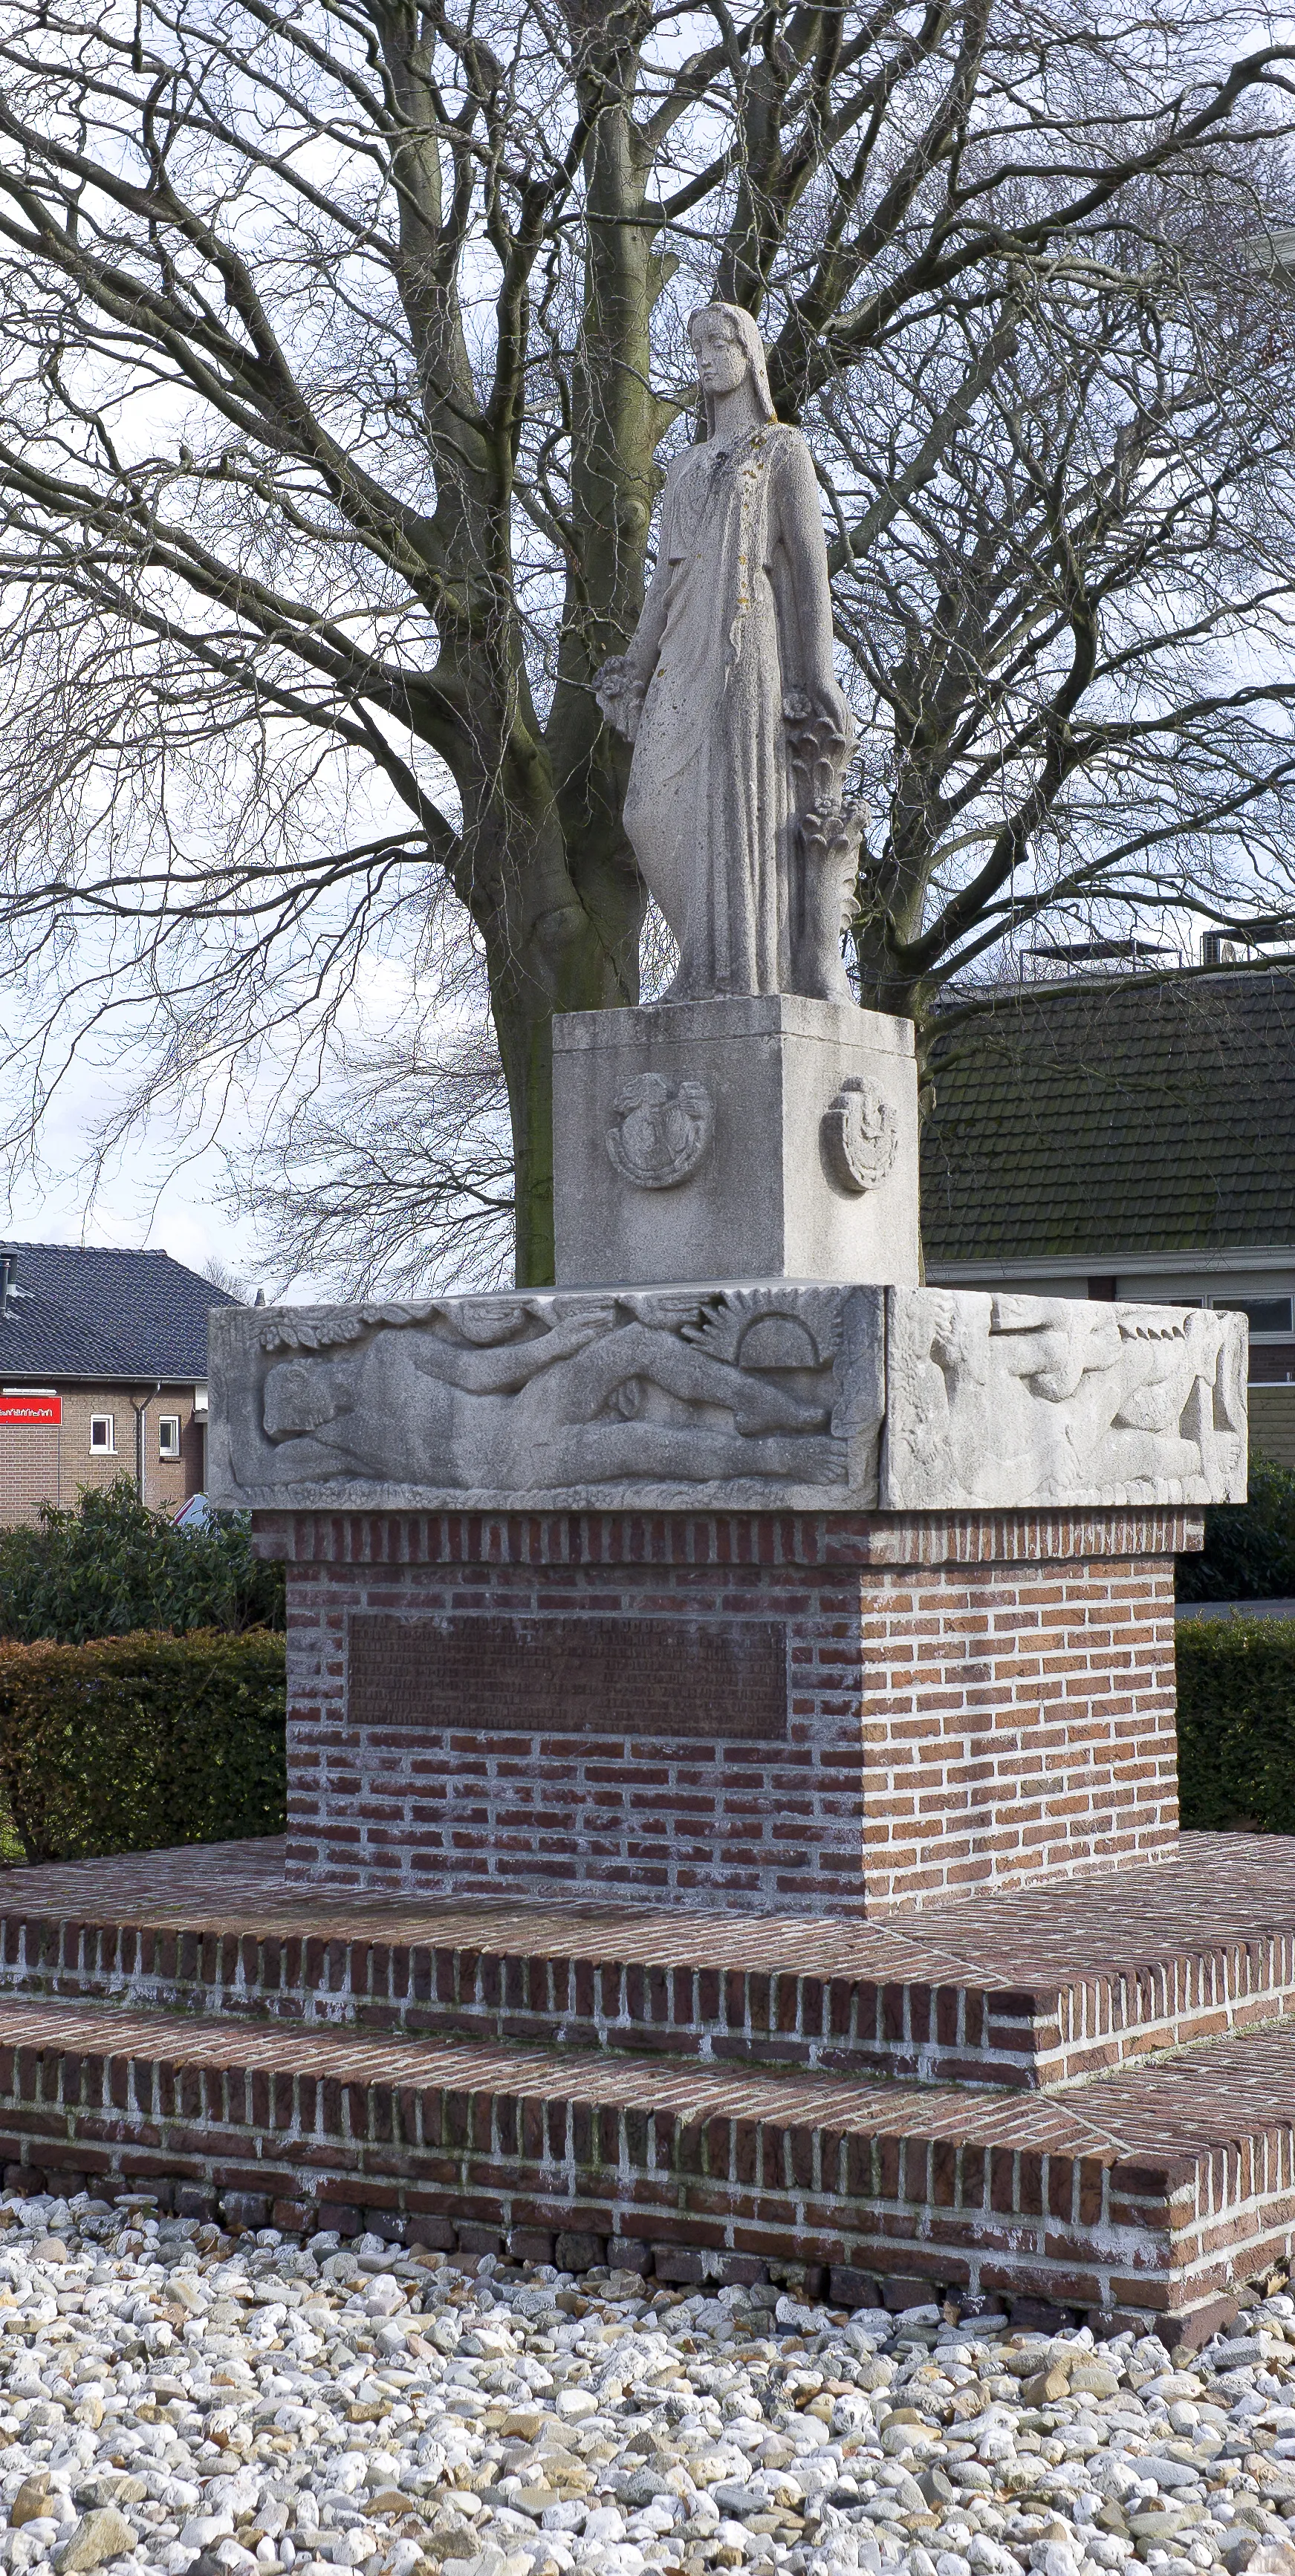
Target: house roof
1137, 1115
88, 1313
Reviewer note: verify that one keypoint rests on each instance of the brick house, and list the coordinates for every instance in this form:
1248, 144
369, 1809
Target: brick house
103, 1367
1130, 1136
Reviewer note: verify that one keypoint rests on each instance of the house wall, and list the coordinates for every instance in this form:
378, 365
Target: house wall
1272, 1423
1208, 1283
42, 1463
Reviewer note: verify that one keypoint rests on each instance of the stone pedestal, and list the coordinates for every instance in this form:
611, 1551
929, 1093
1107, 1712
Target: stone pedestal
809, 1714
770, 1668
795, 1596
769, 1137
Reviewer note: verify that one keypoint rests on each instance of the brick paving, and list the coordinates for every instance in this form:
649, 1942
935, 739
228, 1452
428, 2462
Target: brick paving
1037, 1988
1145, 2189
1220, 1889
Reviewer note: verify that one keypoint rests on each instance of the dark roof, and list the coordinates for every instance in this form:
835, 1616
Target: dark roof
1137, 1115
94, 1314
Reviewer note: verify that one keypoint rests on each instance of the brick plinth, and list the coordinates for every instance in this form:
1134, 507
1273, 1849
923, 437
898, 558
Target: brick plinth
1149, 2197
1032, 1991
707, 2094
964, 1701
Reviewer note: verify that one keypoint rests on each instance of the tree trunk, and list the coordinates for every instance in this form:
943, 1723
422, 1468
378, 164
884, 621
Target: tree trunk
546, 952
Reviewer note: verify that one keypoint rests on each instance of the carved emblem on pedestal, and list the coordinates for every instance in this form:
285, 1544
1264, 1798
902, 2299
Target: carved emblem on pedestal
860, 1139
657, 1136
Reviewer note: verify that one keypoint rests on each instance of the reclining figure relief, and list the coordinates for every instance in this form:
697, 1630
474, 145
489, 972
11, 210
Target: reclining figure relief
546, 1392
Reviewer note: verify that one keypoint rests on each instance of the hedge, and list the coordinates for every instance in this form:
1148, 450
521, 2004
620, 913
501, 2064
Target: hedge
109, 1567
1236, 1724
135, 1743
1249, 1552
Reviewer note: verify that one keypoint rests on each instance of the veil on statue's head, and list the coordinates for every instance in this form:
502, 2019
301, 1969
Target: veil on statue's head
746, 331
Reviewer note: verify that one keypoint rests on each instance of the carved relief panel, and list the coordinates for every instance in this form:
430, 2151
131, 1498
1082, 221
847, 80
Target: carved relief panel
1014, 1400
756, 1397
759, 1392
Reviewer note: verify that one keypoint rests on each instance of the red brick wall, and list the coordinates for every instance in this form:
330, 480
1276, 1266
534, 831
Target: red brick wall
974, 1700
40, 1463
1018, 1719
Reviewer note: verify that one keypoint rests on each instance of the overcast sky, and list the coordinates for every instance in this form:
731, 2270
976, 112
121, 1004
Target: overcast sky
139, 1209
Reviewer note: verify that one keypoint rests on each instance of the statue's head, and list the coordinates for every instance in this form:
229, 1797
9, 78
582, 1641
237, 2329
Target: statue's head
730, 352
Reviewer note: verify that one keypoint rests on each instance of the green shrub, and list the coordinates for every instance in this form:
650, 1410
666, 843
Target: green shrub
134, 1743
1236, 1724
109, 1567
1249, 1552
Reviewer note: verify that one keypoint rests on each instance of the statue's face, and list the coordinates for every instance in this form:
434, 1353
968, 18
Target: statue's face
721, 360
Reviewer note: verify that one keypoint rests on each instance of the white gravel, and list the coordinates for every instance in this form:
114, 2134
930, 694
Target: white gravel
172, 2399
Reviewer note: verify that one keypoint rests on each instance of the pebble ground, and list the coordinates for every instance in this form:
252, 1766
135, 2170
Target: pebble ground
174, 2399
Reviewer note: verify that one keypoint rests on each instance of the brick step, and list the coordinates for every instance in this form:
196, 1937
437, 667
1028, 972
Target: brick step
1145, 2193
1035, 1990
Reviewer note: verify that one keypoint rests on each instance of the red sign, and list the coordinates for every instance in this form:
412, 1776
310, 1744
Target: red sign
31, 1408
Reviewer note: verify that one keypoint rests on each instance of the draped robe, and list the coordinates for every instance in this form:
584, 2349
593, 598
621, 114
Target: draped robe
710, 809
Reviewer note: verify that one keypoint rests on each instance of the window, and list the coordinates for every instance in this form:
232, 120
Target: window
103, 1433
1265, 1314
168, 1435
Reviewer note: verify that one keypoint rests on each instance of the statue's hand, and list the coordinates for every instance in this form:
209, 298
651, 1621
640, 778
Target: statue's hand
835, 704
620, 690
819, 720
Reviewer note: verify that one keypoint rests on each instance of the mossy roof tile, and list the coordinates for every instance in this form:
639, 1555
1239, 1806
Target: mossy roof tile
1141, 1115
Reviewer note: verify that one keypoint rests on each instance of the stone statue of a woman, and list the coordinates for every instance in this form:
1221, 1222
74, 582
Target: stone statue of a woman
740, 732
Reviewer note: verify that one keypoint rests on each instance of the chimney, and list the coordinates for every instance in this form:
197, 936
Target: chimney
8, 1277
1218, 951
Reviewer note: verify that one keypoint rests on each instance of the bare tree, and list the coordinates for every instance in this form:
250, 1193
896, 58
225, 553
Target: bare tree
400, 1176
230, 1282
1076, 640
344, 343
398, 1171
